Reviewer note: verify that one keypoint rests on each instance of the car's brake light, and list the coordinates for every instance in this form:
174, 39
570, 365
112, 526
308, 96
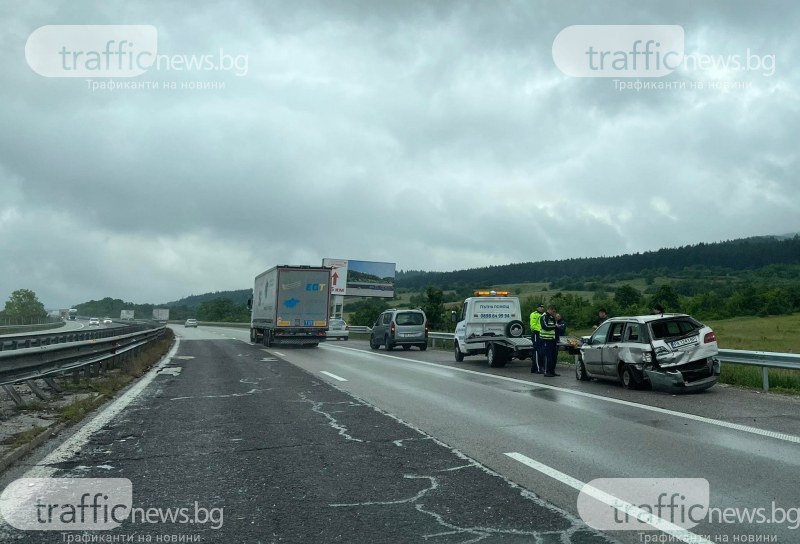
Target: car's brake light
426, 330
710, 337
347, 327
391, 330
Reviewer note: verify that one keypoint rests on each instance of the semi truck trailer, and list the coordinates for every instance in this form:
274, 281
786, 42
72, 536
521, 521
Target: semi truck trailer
290, 305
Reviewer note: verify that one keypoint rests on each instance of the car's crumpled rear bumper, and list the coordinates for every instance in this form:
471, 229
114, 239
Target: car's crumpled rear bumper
672, 380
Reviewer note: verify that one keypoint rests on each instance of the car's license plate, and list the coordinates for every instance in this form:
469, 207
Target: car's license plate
684, 342
410, 334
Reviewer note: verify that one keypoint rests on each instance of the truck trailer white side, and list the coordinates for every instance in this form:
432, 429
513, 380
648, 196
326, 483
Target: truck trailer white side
290, 305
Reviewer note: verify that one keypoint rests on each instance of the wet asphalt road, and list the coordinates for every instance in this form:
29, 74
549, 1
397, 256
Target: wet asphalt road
274, 454
306, 445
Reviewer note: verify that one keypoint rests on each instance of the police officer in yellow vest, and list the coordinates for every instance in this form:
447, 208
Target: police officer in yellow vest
537, 359
547, 339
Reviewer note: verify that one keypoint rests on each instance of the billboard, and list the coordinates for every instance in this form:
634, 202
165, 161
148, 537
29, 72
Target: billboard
361, 278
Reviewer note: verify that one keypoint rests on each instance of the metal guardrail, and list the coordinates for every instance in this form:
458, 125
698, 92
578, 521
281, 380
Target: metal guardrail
22, 341
763, 359
47, 360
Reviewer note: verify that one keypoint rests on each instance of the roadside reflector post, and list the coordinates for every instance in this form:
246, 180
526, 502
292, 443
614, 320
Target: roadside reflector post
765, 378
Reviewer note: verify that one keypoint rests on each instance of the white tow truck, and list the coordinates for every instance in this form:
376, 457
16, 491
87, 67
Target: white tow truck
491, 324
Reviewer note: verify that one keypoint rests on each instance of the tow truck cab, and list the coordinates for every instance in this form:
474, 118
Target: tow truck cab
491, 324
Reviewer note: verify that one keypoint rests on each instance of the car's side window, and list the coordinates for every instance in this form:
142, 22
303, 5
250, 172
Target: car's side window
599, 336
633, 333
616, 332
387, 318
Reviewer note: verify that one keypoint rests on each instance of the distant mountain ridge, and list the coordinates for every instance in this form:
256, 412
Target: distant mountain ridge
739, 254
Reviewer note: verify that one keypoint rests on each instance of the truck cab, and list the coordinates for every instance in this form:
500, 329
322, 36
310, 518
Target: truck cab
491, 323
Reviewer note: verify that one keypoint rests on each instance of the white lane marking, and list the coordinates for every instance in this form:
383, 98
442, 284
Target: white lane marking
718, 422
675, 531
334, 376
279, 354
70, 447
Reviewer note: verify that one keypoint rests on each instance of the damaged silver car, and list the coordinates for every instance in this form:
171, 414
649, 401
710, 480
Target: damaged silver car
670, 352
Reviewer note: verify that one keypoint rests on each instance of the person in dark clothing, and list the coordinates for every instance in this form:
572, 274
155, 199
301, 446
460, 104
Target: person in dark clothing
537, 359
602, 315
547, 336
561, 327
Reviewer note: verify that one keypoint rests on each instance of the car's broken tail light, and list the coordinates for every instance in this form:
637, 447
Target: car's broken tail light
710, 337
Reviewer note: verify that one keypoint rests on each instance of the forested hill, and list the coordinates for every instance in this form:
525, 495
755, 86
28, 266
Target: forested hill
743, 254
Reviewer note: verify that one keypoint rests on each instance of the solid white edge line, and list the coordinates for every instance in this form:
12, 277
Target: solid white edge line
71, 446
334, 376
675, 531
719, 423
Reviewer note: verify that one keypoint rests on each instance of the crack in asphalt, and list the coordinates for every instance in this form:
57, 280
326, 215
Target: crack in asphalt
316, 406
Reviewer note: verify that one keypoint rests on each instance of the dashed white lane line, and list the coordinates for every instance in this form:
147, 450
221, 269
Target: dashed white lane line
717, 422
334, 376
675, 531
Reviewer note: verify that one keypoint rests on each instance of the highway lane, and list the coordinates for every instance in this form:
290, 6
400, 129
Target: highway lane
580, 436
225, 426
558, 431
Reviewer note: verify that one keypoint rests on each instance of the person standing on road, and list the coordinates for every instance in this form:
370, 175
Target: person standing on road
537, 364
561, 327
547, 335
602, 315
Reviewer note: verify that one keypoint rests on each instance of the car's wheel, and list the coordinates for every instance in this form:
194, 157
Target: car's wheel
495, 356
580, 371
406, 347
373, 343
252, 335
630, 378
387, 343
423, 347
266, 340
515, 329
457, 350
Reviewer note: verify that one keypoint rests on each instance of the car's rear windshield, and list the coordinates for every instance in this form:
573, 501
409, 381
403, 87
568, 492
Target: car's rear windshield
409, 318
668, 328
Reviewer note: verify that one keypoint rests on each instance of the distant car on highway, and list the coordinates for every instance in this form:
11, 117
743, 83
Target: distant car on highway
191, 322
94, 322
338, 330
107, 321
671, 352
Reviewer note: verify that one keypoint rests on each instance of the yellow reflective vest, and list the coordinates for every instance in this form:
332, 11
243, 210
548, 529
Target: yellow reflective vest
535, 315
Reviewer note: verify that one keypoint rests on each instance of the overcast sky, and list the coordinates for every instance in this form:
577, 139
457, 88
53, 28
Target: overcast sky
437, 135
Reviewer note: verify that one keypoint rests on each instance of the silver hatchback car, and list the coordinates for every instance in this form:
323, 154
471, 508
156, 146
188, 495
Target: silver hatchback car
400, 328
671, 352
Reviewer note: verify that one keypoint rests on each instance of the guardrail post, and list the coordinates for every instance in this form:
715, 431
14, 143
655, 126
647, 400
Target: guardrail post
36, 389
76, 376
13, 394
765, 378
52, 384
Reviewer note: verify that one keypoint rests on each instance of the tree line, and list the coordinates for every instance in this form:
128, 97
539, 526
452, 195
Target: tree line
735, 255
